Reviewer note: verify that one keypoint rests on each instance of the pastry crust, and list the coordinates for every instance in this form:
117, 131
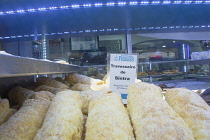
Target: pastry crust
152, 117
59, 79
48, 88
25, 123
138, 81
50, 82
18, 95
4, 108
88, 95
64, 119
75, 78
83, 87
43, 95
7, 115
193, 109
108, 119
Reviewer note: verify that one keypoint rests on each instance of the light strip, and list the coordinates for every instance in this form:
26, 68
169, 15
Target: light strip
98, 4
109, 30
108, 4
44, 49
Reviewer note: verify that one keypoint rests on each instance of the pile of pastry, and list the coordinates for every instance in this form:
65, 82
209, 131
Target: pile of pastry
84, 108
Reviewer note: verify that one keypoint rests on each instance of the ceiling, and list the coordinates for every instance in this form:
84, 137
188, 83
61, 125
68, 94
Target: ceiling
140, 19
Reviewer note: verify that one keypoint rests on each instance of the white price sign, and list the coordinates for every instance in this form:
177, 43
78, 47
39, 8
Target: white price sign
122, 71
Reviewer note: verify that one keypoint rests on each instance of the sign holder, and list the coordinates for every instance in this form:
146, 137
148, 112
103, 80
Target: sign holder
122, 71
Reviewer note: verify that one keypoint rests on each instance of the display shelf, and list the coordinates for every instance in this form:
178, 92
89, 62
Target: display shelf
146, 76
199, 62
93, 66
155, 76
12, 66
172, 75
161, 62
161, 75
196, 75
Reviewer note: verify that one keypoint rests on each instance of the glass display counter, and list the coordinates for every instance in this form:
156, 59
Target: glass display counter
159, 70
95, 71
199, 68
162, 70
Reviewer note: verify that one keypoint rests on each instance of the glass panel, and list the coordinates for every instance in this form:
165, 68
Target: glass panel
161, 59
83, 43
37, 49
52, 49
88, 51
155, 49
84, 51
169, 59
94, 62
58, 49
113, 43
201, 50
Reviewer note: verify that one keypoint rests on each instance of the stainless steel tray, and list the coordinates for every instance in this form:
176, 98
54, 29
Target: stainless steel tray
11, 66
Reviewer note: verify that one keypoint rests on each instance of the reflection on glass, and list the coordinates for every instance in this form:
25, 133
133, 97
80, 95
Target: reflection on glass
93, 50
58, 49
84, 51
162, 50
113, 43
37, 49
83, 43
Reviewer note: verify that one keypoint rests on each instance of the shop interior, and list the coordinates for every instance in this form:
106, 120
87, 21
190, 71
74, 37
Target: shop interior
68, 70
160, 59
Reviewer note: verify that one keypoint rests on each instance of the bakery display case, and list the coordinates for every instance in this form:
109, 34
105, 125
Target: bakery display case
52, 76
153, 71
199, 68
